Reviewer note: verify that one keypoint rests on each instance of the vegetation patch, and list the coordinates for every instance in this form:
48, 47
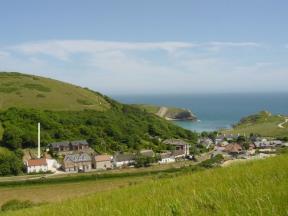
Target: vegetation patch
37, 87
16, 205
7, 89
84, 102
40, 96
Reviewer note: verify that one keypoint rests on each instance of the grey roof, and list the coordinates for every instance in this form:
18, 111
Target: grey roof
82, 157
124, 157
58, 144
77, 142
175, 142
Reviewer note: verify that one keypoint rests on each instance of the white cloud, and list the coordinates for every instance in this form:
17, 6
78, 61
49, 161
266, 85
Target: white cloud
62, 49
139, 66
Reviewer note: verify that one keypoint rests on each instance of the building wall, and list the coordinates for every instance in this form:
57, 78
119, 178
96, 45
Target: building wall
167, 160
36, 169
123, 163
103, 165
75, 167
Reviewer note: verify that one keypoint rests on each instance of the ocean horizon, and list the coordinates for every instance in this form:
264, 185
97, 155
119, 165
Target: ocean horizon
214, 111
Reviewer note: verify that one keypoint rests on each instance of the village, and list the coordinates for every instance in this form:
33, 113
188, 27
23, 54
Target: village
77, 156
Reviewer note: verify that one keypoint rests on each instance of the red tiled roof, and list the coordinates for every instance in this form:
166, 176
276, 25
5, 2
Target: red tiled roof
233, 148
37, 162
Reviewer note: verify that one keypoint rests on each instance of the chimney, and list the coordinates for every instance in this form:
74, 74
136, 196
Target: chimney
39, 140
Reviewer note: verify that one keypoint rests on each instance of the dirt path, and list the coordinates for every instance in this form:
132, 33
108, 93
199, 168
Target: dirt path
281, 124
162, 111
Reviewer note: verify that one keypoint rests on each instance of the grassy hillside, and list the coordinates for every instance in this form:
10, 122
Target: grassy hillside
222, 191
26, 91
262, 123
68, 112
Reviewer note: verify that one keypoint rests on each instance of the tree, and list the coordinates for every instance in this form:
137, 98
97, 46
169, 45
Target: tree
10, 164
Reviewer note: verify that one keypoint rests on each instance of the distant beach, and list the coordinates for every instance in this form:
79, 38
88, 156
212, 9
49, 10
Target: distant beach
214, 111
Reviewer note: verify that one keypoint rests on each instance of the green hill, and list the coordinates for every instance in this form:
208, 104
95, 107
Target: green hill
68, 112
262, 123
27, 91
263, 190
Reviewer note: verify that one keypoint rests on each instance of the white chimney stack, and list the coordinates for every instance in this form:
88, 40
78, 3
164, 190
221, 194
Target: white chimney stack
39, 140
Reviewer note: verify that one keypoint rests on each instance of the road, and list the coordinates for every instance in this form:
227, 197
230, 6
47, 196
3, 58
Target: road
281, 124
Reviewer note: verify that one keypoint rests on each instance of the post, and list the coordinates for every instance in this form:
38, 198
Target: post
39, 140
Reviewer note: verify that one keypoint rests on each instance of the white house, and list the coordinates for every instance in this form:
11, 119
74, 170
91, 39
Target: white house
120, 160
166, 157
37, 165
53, 165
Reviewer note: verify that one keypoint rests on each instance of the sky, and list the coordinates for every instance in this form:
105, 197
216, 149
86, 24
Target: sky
151, 46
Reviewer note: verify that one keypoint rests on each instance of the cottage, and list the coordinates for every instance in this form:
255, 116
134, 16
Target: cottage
268, 144
233, 148
225, 137
80, 162
102, 162
120, 160
63, 146
67, 147
179, 145
207, 142
166, 157
36, 165
79, 145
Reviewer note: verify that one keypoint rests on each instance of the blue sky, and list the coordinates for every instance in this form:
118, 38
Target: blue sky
149, 46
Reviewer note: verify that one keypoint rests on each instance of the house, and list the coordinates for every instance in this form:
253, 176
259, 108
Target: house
67, 147
63, 146
147, 153
268, 144
233, 149
80, 162
225, 137
36, 165
120, 160
52, 164
79, 145
207, 142
166, 157
178, 144
102, 162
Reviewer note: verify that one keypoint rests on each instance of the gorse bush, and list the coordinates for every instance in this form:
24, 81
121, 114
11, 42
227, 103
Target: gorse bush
16, 205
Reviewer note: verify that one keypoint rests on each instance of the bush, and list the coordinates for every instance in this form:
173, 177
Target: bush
16, 204
10, 163
212, 162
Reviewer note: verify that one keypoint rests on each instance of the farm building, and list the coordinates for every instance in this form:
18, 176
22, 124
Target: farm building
102, 162
80, 162
37, 165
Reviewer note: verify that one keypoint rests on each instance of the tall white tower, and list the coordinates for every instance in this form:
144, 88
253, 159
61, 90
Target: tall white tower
39, 140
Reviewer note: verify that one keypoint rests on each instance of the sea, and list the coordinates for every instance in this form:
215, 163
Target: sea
214, 111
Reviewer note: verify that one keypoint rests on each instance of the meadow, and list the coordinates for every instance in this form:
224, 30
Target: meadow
253, 188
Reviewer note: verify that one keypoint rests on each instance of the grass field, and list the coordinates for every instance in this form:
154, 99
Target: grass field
25, 91
253, 188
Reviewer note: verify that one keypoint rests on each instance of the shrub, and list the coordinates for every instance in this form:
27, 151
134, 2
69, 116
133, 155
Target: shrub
16, 204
